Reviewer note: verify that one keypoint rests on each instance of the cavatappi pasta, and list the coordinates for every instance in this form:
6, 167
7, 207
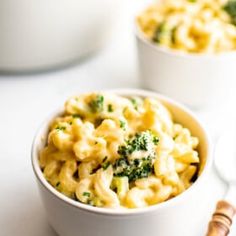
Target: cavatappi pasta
111, 151
194, 26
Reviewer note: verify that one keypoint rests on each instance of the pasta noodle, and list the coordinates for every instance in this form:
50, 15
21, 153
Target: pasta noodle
111, 151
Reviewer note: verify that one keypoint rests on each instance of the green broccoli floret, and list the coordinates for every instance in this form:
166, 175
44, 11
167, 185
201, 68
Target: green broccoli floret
162, 34
60, 128
134, 169
86, 194
110, 108
120, 185
140, 142
139, 167
135, 103
230, 8
158, 34
96, 105
122, 124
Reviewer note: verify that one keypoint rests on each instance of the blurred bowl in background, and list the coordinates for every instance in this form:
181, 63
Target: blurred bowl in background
42, 34
198, 80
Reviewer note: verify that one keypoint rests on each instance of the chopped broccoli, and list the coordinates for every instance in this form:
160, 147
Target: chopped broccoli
120, 185
135, 104
155, 140
60, 128
122, 124
134, 169
140, 142
76, 116
139, 167
96, 105
110, 108
86, 194
160, 33
173, 35
230, 8
105, 165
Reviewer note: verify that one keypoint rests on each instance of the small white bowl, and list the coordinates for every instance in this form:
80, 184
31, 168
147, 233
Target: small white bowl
196, 80
72, 218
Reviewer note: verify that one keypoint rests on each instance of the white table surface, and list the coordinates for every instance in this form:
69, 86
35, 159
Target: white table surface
27, 99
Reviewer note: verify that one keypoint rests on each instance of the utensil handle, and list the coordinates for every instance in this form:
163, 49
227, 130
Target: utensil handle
221, 219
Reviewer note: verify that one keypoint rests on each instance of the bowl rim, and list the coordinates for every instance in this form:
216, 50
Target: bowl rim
174, 52
121, 212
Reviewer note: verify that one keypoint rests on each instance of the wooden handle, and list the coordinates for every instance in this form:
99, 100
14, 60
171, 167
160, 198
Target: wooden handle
221, 219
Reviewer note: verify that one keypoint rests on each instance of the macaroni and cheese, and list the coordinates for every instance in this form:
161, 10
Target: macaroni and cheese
194, 26
112, 151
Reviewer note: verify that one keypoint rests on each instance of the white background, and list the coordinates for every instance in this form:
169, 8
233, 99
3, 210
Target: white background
26, 100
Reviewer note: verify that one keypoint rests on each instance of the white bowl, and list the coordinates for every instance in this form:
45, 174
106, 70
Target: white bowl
41, 34
196, 80
72, 218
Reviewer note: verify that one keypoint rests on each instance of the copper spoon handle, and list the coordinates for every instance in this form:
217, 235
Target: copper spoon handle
221, 219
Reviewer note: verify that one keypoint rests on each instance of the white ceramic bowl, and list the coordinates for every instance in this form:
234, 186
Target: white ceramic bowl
196, 80
177, 216
42, 34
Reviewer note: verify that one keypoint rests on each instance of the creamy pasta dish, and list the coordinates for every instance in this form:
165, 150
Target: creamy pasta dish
111, 151
194, 26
